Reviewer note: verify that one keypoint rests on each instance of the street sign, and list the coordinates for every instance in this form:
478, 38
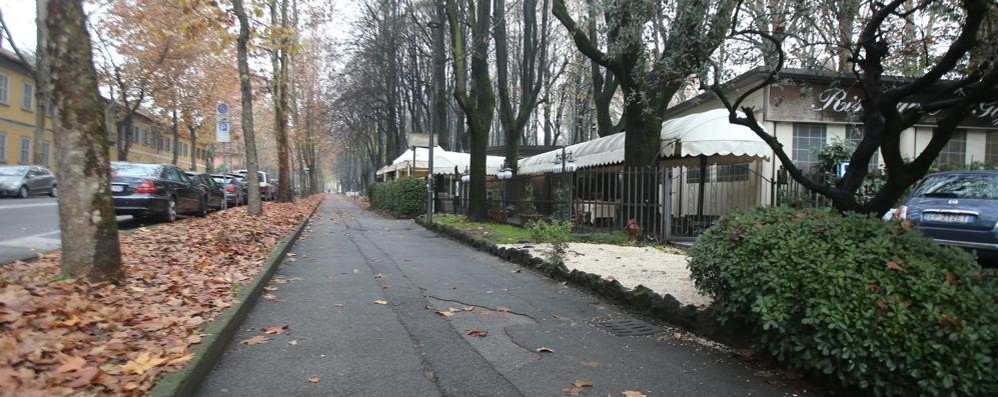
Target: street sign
841, 168
222, 123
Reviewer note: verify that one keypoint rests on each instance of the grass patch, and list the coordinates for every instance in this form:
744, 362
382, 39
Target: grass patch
508, 234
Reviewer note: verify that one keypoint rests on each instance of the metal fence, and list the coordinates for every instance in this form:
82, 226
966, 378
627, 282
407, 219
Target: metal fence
662, 203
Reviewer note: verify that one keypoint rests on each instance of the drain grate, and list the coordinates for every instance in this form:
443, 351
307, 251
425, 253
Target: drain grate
629, 327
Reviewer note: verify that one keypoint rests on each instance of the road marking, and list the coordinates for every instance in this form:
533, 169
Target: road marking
7, 207
35, 242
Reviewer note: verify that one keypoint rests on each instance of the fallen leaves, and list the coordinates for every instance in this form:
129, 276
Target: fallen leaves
477, 333
381, 302
63, 334
339, 305
591, 364
544, 350
256, 340
293, 342
894, 266
582, 383
631, 393
272, 298
142, 363
313, 379
277, 329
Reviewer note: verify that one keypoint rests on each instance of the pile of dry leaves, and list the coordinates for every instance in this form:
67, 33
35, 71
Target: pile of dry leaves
62, 336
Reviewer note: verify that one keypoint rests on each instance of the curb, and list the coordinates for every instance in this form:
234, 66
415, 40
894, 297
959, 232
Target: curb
641, 299
220, 331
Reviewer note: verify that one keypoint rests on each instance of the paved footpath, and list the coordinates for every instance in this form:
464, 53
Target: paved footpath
350, 346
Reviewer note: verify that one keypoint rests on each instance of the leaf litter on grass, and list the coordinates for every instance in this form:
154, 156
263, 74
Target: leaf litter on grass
178, 277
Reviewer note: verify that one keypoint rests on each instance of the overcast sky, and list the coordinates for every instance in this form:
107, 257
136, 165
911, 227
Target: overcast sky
20, 18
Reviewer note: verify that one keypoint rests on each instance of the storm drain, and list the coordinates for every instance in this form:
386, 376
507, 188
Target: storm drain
629, 327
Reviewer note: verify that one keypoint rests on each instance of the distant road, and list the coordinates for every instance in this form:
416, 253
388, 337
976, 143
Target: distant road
31, 226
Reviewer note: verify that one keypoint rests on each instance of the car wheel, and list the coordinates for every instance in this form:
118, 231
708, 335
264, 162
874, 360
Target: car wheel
22, 192
203, 208
54, 191
171, 211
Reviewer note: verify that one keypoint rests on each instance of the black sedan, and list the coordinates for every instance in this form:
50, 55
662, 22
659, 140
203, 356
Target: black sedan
214, 193
160, 191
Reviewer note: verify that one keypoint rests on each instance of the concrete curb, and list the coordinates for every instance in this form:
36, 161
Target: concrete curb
220, 331
641, 299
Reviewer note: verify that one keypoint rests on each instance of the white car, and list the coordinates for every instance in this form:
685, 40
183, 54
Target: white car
268, 192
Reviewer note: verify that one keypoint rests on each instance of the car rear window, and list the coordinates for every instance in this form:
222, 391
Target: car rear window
980, 186
135, 170
220, 179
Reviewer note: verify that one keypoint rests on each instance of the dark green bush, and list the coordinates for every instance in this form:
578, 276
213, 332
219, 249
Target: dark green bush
405, 196
875, 305
554, 232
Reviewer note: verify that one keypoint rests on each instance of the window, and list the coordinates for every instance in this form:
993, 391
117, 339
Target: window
4, 85
991, 149
28, 97
808, 138
25, 157
854, 135
693, 174
166, 144
955, 151
733, 172
3, 146
135, 134
45, 153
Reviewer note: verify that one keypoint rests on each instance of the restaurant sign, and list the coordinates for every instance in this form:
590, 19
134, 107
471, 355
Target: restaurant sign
823, 102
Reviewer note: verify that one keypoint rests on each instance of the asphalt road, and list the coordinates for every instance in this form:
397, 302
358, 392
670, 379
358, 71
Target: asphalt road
31, 226
341, 342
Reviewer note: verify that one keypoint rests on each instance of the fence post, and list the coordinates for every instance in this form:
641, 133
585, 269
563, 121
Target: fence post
667, 202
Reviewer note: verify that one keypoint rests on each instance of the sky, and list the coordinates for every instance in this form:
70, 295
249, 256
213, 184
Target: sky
20, 18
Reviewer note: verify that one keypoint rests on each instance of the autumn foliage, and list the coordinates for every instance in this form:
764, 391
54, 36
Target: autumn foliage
65, 336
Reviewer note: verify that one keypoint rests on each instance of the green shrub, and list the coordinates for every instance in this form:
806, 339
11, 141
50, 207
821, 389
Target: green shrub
874, 305
405, 196
554, 232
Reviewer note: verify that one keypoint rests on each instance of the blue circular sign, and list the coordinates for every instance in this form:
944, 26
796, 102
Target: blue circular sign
223, 108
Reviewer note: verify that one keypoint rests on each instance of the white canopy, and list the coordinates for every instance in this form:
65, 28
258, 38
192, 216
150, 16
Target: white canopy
443, 161
708, 133
711, 134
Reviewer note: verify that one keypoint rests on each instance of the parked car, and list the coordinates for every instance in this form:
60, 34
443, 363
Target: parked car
243, 184
25, 180
268, 191
234, 195
160, 191
957, 208
214, 193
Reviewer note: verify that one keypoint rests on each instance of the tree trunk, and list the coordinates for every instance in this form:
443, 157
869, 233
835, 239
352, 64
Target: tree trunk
279, 60
87, 220
438, 115
194, 147
479, 107
254, 207
176, 138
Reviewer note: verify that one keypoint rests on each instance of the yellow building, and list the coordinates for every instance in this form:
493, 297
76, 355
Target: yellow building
150, 141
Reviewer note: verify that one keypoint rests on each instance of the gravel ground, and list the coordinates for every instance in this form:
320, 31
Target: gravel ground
659, 269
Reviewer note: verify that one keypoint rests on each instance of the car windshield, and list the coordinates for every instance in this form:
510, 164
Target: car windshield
134, 170
13, 171
979, 186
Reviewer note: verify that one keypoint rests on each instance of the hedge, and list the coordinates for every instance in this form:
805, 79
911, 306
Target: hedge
404, 197
874, 305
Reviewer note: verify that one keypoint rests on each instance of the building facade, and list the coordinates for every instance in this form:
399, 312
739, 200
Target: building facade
807, 110
151, 142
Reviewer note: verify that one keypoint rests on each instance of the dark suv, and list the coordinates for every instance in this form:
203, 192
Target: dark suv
160, 191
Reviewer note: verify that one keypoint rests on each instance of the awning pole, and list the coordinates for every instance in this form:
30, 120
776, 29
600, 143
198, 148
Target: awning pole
703, 178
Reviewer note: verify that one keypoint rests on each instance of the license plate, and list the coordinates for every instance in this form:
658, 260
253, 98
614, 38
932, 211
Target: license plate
949, 218
117, 188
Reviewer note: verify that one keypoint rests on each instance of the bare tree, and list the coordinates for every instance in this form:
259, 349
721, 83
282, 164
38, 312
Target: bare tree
87, 221
883, 116
479, 105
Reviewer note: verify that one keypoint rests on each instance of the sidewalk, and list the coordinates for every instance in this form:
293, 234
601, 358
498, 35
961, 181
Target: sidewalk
339, 342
